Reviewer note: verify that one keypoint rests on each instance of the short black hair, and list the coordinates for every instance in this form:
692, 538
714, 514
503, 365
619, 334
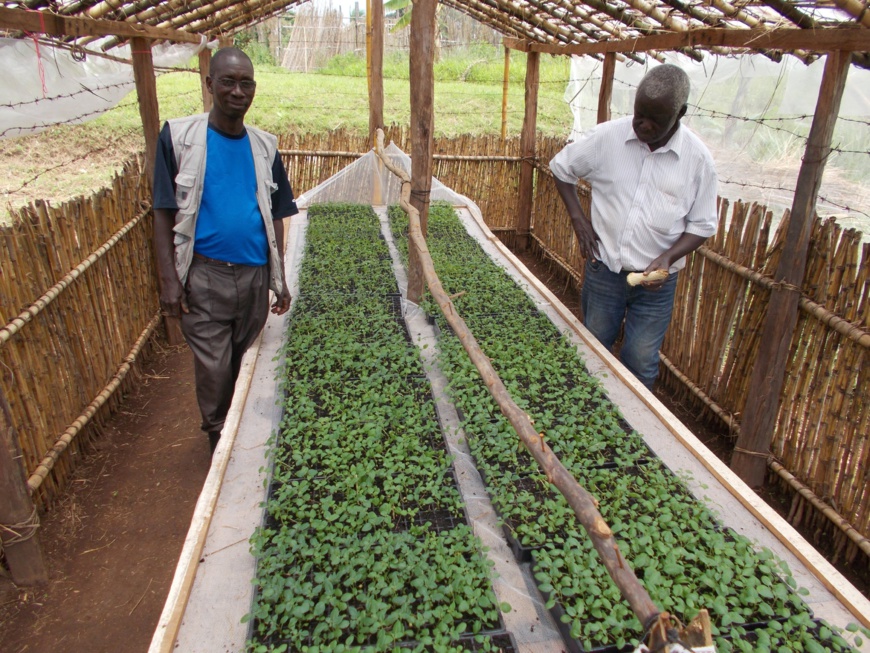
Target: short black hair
226, 53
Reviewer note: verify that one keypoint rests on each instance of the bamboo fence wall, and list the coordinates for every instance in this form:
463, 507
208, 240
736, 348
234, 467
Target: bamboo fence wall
823, 427
56, 362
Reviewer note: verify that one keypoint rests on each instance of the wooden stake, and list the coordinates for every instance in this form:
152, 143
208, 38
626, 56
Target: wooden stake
204, 63
18, 519
504, 92
527, 151
768, 372
375, 50
606, 90
422, 126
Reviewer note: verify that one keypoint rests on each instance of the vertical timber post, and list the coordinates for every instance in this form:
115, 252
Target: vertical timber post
422, 124
749, 460
606, 90
204, 64
527, 152
504, 92
18, 520
375, 24
146, 88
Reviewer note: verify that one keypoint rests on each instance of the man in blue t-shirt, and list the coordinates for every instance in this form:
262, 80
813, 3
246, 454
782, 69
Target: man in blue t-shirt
220, 196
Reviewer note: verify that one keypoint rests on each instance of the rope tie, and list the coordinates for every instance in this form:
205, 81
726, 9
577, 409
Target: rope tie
757, 454
22, 531
782, 285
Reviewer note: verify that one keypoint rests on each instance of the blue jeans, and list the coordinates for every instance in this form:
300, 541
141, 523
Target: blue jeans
607, 300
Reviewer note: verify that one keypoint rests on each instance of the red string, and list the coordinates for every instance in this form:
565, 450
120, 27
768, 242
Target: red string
39, 64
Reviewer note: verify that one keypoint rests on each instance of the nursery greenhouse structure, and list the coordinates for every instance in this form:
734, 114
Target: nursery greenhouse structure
430, 452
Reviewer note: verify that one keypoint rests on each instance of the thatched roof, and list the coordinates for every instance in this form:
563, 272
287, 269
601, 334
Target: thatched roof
562, 22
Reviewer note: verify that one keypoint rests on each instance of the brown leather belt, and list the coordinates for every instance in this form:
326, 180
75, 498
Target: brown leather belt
212, 261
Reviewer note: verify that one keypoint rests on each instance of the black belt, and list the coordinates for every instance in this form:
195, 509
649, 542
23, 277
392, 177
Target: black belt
212, 261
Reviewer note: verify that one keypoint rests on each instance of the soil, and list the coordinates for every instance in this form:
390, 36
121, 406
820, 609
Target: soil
113, 541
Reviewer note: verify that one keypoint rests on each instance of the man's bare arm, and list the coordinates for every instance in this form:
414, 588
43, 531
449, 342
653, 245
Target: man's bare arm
581, 223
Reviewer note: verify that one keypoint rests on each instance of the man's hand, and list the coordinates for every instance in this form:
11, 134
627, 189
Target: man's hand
282, 302
663, 262
173, 301
586, 236
587, 239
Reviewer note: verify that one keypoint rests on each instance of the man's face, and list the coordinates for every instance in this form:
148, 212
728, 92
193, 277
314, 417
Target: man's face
654, 120
232, 86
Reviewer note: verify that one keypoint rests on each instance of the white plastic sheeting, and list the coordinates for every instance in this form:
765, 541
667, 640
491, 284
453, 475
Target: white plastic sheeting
754, 115
44, 86
367, 181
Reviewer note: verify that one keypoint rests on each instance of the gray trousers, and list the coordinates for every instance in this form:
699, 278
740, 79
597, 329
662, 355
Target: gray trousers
228, 308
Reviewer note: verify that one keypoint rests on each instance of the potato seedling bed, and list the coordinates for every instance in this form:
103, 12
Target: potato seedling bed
366, 545
675, 544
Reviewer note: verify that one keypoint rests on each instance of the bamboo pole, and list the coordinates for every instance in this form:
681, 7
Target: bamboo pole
41, 472
581, 502
527, 151
766, 382
34, 309
18, 516
422, 100
504, 92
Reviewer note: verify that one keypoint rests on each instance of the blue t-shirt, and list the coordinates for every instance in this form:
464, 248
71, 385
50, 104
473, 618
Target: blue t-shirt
229, 226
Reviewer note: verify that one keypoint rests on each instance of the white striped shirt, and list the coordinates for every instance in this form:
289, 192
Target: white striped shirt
642, 201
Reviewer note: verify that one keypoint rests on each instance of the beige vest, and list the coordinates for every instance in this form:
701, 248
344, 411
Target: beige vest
189, 143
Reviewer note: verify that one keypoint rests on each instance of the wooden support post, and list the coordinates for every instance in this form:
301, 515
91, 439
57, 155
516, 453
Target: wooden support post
527, 151
204, 64
422, 125
18, 520
146, 88
375, 42
504, 93
606, 90
768, 372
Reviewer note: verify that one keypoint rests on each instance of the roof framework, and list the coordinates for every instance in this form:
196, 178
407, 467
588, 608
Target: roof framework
545, 22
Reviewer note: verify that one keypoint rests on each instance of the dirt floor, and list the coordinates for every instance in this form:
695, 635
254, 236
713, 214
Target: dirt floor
113, 542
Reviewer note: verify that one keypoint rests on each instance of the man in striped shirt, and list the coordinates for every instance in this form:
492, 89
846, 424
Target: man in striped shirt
654, 192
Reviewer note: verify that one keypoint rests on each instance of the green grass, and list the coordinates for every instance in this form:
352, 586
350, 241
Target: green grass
338, 96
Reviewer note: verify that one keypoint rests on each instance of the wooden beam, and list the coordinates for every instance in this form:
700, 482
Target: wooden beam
146, 88
204, 64
527, 151
504, 92
749, 460
375, 25
149, 112
846, 39
422, 126
606, 91
18, 520
43, 22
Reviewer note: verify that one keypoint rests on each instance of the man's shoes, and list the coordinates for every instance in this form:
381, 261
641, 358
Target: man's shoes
213, 437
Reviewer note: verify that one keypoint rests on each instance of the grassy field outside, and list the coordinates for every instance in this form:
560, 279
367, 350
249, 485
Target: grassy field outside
71, 160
